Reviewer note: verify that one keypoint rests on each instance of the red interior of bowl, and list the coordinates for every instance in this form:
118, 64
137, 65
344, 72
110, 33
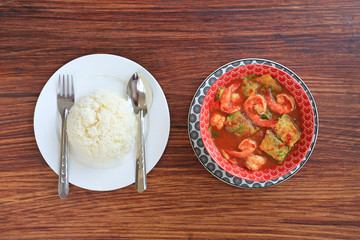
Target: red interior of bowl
307, 116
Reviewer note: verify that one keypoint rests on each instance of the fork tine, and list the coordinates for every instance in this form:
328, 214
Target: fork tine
69, 84
59, 86
63, 94
67, 89
62, 86
72, 86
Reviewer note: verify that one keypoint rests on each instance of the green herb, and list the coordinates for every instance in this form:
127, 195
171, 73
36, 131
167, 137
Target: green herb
219, 93
215, 134
249, 77
264, 116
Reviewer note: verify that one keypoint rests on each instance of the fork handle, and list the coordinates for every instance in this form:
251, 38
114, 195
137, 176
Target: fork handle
63, 185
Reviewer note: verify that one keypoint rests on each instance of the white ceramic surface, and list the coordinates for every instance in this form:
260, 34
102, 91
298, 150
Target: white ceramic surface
91, 73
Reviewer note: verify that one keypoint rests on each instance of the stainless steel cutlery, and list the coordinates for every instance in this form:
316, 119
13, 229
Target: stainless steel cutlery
65, 100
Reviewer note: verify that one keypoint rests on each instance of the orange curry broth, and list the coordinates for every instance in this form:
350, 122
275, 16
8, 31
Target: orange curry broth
224, 139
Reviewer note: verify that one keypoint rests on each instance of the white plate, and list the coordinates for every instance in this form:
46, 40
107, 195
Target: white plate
93, 72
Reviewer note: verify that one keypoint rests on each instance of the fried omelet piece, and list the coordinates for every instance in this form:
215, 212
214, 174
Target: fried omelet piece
268, 81
239, 125
274, 147
248, 87
287, 131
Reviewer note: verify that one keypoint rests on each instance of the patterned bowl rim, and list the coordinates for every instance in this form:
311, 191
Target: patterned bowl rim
194, 127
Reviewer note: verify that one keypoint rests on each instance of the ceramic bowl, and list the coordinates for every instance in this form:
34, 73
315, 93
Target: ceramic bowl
296, 158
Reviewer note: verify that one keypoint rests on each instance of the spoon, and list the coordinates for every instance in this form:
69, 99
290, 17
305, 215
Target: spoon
136, 93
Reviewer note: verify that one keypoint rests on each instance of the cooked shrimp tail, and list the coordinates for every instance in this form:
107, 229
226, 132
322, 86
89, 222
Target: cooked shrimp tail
247, 147
229, 101
261, 122
283, 104
254, 106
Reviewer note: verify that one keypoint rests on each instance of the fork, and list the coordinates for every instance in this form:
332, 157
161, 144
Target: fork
65, 100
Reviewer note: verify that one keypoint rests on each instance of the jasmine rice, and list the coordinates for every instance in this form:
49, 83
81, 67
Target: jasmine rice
102, 126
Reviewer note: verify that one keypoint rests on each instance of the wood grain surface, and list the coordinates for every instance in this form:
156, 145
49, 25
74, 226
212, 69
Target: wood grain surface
181, 43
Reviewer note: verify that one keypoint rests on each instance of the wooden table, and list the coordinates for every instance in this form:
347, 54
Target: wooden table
181, 43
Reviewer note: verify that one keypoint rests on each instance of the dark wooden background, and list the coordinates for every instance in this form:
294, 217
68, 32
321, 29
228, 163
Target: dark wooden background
181, 43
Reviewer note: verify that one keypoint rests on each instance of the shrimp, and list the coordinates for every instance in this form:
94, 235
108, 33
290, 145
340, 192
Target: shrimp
254, 162
247, 147
284, 103
217, 120
254, 106
229, 101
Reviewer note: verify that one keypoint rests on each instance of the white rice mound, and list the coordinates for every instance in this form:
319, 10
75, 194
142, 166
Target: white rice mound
102, 126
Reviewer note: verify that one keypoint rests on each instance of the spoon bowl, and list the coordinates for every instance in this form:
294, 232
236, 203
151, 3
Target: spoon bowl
136, 93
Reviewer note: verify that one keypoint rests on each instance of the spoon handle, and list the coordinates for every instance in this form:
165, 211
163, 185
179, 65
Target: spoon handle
140, 178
